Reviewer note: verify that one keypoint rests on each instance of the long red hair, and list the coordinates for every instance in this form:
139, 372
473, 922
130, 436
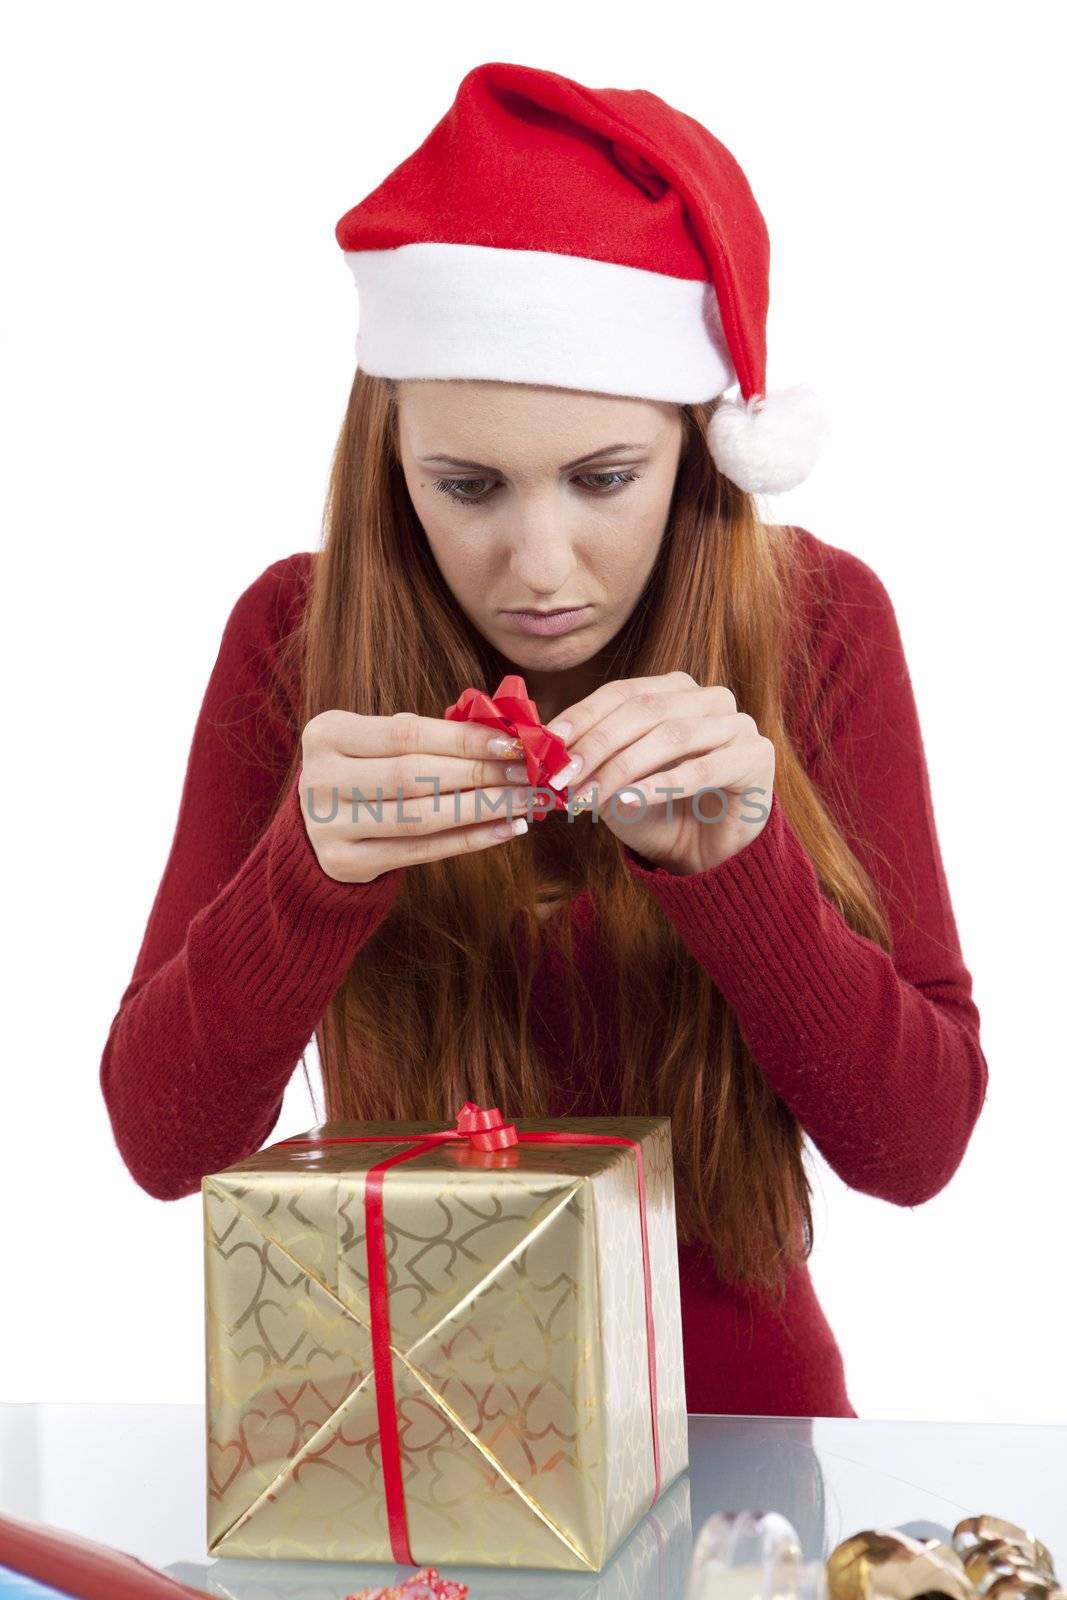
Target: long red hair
435, 1009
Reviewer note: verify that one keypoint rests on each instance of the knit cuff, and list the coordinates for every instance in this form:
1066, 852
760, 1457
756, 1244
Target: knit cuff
761, 927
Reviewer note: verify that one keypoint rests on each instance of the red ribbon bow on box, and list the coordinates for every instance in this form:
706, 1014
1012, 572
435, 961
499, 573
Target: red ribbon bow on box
512, 710
483, 1128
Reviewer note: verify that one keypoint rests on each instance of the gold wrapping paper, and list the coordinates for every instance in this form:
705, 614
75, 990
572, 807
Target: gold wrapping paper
519, 1351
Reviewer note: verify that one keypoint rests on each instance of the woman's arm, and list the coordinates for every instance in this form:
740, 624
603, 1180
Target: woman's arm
246, 943
877, 1055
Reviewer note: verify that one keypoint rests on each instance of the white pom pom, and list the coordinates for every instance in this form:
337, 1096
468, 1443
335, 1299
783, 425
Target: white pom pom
769, 442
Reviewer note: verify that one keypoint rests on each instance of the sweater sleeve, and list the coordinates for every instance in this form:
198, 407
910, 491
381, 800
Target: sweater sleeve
247, 940
877, 1054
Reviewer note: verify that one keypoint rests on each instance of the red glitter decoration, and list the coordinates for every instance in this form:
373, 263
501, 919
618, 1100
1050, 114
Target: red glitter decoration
426, 1584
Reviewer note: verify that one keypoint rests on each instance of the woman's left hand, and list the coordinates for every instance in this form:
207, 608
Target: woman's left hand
670, 733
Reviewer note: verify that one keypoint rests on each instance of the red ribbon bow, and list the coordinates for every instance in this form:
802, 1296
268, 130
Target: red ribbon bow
512, 710
485, 1129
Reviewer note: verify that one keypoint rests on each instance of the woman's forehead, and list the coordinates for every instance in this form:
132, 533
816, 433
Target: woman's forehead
533, 422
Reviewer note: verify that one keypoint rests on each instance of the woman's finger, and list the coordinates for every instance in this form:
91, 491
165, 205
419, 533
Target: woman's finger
585, 714
732, 768
389, 776
364, 859
404, 753
664, 744
408, 816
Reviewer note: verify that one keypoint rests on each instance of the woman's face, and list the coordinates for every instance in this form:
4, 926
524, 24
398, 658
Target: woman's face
530, 505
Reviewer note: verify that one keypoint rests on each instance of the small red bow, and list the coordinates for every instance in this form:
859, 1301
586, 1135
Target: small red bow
485, 1128
512, 710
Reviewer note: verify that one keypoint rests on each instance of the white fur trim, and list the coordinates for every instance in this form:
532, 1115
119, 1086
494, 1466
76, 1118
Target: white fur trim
769, 442
530, 316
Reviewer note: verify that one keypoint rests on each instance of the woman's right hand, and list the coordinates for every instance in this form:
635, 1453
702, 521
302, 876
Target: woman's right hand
390, 764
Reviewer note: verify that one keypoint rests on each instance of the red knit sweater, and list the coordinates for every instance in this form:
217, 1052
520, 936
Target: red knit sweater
877, 1055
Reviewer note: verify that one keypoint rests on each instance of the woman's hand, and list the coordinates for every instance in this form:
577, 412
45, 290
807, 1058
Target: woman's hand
670, 733
397, 791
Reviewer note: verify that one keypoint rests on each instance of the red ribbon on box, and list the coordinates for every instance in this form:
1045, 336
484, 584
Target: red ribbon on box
484, 1129
513, 712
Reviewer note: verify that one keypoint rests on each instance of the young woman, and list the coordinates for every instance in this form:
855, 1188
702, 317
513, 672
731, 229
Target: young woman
555, 291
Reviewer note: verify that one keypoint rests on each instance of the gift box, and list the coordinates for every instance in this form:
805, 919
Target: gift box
444, 1345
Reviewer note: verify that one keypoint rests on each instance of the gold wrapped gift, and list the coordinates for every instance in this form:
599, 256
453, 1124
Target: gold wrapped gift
444, 1345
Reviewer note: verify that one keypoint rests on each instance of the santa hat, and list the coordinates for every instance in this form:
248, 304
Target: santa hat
597, 239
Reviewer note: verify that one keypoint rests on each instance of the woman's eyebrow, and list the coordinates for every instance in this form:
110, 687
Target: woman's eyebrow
480, 466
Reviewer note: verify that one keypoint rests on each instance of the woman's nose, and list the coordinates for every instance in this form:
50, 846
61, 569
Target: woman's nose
543, 557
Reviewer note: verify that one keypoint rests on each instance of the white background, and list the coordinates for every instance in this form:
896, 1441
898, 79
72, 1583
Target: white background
178, 331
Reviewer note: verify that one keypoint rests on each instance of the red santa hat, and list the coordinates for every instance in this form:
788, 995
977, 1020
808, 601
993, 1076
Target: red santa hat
597, 239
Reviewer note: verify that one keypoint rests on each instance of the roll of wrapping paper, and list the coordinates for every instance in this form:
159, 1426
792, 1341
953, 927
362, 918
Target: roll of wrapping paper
512, 711
75, 1565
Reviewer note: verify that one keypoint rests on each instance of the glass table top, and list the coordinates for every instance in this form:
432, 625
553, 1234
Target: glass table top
133, 1477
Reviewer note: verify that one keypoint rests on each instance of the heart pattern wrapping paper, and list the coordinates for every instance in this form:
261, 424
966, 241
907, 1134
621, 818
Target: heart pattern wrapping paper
519, 1352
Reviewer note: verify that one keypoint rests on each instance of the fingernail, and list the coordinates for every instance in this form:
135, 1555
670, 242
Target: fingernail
514, 773
562, 729
560, 779
509, 830
502, 745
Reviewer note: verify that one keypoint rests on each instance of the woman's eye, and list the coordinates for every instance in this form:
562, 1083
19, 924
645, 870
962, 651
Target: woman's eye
453, 487
620, 479
456, 488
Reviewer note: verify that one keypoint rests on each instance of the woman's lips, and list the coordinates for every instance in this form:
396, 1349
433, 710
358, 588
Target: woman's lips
551, 622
